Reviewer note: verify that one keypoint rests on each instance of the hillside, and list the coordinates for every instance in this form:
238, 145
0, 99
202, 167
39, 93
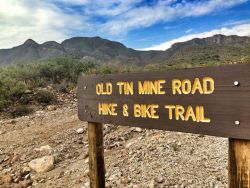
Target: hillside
216, 48
219, 48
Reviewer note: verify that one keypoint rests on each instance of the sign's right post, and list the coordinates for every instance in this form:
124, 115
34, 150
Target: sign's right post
239, 163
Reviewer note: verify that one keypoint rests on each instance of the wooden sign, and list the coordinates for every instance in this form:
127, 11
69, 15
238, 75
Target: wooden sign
211, 101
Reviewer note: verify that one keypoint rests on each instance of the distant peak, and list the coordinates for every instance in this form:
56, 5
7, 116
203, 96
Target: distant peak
30, 42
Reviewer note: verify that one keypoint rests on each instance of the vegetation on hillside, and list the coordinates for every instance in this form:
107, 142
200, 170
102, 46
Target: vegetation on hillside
17, 81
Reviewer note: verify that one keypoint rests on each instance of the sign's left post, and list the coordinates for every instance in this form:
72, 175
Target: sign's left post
96, 155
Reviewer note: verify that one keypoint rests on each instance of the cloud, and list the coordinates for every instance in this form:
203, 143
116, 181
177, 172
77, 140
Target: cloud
38, 20
240, 30
164, 11
189, 31
60, 19
236, 22
111, 8
71, 2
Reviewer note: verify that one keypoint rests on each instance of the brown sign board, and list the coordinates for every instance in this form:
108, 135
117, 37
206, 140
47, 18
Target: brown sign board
210, 101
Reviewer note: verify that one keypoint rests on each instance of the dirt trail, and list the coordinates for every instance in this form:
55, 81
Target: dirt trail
134, 157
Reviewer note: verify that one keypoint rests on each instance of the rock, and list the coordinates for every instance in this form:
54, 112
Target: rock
42, 181
86, 185
28, 92
16, 180
15, 158
27, 176
85, 156
129, 144
80, 131
151, 184
7, 179
51, 108
190, 181
44, 148
25, 183
137, 186
159, 179
43, 164
138, 129
126, 181
183, 185
26, 170
61, 174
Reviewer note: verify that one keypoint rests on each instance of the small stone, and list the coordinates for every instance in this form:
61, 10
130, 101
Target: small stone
86, 185
190, 181
25, 183
42, 181
44, 148
129, 144
28, 92
159, 179
85, 156
15, 158
7, 179
16, 180
26, 170
23, 157
183, 185
60, 175
43, 164
151, 184
137, 186
27, 176
126, 181
51, 108
80, 131
138, 129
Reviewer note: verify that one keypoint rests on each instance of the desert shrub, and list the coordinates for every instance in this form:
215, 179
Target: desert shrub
21, 110
65, 87
44, 96
58, 69
26, 99
16, 79
116, 68
3, 103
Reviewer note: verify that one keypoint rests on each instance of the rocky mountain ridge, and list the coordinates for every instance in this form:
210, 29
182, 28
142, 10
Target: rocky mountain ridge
103, 50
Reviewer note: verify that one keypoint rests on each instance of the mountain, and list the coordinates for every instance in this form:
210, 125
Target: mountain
218, 48
103, 50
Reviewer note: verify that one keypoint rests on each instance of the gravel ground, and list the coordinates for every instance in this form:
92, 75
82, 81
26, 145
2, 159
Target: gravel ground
134, 157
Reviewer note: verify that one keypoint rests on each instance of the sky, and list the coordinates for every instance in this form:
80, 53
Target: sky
138, 24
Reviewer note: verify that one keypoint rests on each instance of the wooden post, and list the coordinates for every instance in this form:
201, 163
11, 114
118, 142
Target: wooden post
96, 155
239, 163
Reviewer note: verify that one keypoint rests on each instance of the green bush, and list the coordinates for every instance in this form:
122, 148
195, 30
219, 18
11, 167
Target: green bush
58, 69
44, 96
16, 79
26, 99
3, 103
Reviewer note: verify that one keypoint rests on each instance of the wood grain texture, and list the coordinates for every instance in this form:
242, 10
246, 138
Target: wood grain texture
96, 155
226, 105
239, 163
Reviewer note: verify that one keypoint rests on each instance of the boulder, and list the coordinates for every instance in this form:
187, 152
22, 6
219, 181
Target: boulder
43, 164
